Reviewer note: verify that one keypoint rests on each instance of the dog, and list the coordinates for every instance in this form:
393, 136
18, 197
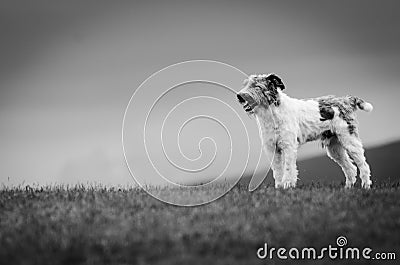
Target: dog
286, 123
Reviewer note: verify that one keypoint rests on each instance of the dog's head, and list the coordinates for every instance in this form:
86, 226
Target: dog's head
260, 91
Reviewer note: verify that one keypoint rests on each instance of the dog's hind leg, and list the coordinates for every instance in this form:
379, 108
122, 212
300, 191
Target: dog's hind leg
337, 153
355, 149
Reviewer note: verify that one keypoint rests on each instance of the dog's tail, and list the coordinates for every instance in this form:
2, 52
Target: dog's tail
362, 104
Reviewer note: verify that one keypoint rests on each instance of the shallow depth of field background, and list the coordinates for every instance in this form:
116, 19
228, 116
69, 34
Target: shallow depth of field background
68, 69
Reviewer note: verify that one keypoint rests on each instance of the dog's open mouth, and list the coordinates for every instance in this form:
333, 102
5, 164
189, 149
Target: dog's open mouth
246, 105
247, 108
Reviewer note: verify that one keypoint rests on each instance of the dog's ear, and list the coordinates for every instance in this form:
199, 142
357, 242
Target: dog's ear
276, 81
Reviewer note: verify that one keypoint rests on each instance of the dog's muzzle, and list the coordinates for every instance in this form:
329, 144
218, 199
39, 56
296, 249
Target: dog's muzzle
247, 101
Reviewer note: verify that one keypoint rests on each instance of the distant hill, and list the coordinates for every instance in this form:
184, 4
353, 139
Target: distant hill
383, 160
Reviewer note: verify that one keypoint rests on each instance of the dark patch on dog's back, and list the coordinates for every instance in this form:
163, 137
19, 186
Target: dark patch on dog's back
346, 106
326, 112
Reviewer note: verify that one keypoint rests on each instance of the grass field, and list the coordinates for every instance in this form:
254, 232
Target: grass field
60, 225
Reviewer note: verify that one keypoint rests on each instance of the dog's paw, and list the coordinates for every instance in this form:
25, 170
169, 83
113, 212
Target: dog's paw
349, 184
366, 184
288, 184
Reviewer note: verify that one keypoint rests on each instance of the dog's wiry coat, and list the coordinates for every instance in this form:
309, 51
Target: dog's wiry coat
285, 123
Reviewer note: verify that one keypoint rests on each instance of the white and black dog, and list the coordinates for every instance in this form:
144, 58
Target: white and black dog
285, 123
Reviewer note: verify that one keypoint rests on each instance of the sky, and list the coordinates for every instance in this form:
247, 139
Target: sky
69, 68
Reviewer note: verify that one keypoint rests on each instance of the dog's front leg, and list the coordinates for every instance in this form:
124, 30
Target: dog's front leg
289, 149
277, 167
